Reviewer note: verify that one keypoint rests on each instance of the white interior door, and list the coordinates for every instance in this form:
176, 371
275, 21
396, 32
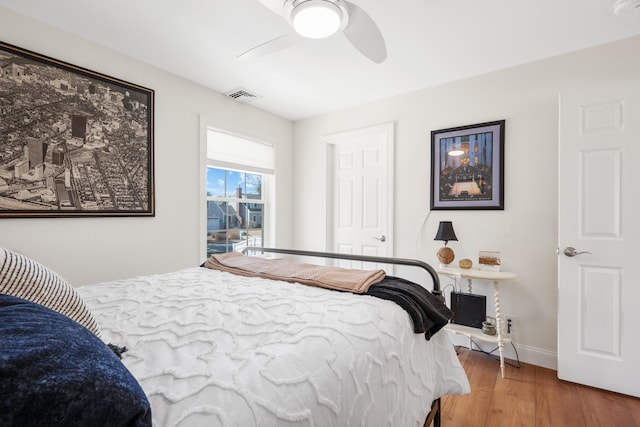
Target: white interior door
599, 214
360, 213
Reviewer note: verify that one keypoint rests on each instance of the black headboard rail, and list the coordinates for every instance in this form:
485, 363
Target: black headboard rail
366, 258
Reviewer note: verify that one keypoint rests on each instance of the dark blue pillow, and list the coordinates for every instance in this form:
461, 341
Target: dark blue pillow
55, 372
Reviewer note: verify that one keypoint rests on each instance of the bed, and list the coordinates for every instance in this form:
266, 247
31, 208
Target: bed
214, 348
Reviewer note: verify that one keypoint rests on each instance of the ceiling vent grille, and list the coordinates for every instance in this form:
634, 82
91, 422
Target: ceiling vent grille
242, 95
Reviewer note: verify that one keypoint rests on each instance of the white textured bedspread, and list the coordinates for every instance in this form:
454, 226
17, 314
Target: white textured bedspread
214, 349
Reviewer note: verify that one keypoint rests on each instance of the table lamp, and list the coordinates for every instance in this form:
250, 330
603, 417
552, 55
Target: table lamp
445, 233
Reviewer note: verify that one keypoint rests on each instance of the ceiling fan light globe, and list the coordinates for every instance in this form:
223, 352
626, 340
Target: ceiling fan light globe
316, 19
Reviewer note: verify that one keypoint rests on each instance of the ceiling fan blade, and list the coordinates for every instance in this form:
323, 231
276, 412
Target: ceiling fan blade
276, 6
364, 34
271, 46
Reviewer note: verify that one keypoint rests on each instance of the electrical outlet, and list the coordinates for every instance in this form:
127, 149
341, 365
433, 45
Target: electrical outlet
509, 324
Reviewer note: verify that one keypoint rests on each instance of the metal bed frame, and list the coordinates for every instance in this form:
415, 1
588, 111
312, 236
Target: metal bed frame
434, 415
382, 260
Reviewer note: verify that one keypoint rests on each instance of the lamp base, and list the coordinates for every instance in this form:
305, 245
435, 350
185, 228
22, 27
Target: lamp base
446, 255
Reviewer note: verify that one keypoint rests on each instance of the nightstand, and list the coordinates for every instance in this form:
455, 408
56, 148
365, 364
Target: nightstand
501, 338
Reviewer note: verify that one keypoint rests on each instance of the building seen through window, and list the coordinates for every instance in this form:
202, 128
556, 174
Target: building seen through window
235, 210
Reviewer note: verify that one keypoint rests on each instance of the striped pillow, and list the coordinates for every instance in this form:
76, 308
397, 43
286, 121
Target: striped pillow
25, 278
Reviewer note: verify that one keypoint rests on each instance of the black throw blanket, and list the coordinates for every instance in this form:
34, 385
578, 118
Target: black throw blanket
428, 313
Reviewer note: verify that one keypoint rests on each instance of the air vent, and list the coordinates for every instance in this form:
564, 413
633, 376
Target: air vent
242, 95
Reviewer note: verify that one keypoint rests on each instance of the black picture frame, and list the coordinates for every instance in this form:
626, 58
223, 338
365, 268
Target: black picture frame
73, 142
473, 177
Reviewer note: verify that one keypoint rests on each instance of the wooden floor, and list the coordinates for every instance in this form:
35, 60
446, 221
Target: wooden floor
532, 396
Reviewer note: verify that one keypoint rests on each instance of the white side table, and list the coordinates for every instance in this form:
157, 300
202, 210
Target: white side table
496, 277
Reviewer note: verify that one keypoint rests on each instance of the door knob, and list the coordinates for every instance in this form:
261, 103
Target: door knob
571, 251
382, 238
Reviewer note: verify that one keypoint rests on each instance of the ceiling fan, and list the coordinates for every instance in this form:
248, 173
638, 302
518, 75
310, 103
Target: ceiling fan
320, 19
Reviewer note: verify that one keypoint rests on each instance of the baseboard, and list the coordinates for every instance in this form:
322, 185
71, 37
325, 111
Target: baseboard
539, 357
531, 355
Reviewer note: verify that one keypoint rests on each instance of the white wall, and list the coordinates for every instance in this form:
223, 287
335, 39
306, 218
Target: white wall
88, 250
526, 231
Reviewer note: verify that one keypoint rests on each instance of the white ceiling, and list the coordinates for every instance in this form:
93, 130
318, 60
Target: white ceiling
429, 42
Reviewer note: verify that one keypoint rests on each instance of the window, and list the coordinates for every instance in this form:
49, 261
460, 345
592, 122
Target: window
237, 185
235, 210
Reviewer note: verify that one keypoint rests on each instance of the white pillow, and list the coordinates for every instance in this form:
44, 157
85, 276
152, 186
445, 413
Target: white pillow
25, 278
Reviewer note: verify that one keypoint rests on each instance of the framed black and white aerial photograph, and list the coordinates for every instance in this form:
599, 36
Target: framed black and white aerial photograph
73, 142
467, 167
